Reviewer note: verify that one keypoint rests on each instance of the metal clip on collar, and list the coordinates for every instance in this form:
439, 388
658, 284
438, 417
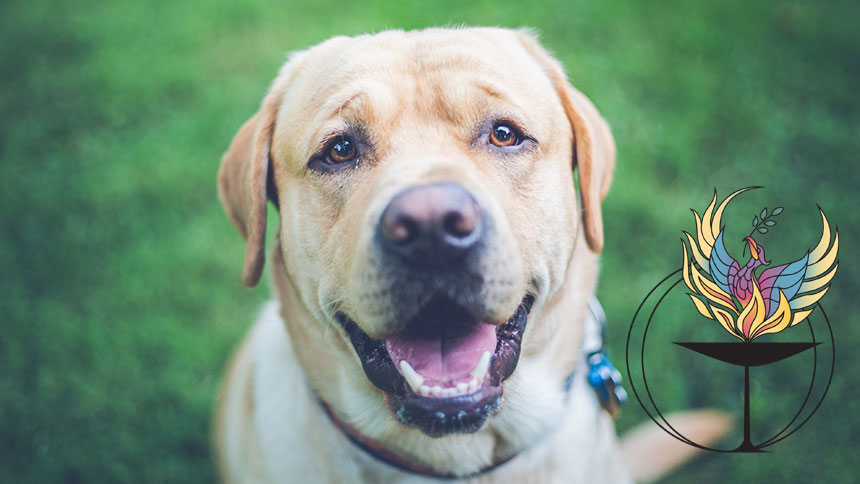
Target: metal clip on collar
603, 377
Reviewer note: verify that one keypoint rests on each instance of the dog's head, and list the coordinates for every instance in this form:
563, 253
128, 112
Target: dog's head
428, 256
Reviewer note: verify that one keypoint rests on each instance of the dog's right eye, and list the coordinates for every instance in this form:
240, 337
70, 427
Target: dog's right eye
504, 135
341, 150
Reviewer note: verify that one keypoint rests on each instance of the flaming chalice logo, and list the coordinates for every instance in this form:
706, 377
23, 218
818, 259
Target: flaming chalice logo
748, 303
749, 300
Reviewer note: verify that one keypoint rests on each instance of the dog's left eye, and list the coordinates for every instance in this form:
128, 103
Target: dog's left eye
504, 135
341, 150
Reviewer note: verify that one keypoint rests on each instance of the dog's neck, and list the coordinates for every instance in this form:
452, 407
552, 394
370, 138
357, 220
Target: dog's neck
580, 449
381, 452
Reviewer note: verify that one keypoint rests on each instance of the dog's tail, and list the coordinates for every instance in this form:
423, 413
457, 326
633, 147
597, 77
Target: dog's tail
651, 453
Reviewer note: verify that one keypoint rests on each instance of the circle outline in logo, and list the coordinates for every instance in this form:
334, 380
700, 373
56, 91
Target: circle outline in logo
680, 437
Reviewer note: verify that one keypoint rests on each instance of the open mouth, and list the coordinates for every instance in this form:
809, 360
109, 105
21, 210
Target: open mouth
443, 373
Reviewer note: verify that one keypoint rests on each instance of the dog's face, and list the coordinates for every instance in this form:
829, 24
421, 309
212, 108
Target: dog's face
428, 260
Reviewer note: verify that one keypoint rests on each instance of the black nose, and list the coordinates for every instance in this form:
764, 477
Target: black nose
431, 224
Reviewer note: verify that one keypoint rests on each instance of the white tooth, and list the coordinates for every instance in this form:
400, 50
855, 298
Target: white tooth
461, 388
436, 390
480, 370
412, 377
473, 385
449, 392
425, 390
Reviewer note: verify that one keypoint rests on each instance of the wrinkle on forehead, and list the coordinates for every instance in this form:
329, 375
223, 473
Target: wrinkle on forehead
379, 82
453, 96
365, 103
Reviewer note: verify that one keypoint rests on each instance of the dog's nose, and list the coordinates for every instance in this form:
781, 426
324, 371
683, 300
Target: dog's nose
431, 224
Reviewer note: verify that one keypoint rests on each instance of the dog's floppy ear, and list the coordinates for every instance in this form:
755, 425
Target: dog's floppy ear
594, 147
244, 179
242, 182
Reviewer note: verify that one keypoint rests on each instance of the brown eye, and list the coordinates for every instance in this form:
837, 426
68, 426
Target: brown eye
342, 151
503, 134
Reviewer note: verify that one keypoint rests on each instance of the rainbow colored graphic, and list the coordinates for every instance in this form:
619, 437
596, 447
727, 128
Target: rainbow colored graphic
745, 304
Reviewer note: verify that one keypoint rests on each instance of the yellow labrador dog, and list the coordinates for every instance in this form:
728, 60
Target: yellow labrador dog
433, 267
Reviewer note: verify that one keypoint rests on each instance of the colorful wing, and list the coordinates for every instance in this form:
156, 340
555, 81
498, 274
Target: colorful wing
721, 266
707, 231
804, 281
787, 277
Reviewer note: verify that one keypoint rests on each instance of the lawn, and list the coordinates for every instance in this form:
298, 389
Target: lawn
119, 273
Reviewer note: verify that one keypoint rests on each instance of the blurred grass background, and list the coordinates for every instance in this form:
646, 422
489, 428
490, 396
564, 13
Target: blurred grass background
120, 298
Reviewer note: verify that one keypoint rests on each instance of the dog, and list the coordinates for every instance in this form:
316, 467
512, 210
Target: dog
433, 267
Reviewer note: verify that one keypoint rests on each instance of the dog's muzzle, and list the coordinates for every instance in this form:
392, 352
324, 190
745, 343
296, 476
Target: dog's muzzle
442, 365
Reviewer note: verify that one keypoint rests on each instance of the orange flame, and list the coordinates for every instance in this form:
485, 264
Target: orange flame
714, 303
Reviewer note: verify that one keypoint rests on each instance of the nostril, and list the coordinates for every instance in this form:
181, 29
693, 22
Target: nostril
402, 231
458, 224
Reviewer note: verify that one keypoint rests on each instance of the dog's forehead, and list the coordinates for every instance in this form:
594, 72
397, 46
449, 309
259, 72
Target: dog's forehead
424, 55
446, 73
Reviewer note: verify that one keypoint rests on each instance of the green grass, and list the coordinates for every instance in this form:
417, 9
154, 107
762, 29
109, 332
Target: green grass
119, 273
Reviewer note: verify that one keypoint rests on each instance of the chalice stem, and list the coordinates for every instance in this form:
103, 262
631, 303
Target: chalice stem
747, 442
747, 445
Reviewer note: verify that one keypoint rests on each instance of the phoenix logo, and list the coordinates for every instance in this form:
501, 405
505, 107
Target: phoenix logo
745, 304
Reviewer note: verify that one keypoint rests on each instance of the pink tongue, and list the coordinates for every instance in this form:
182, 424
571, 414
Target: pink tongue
443, 359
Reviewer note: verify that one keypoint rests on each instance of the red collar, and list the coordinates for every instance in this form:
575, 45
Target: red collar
379, 451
